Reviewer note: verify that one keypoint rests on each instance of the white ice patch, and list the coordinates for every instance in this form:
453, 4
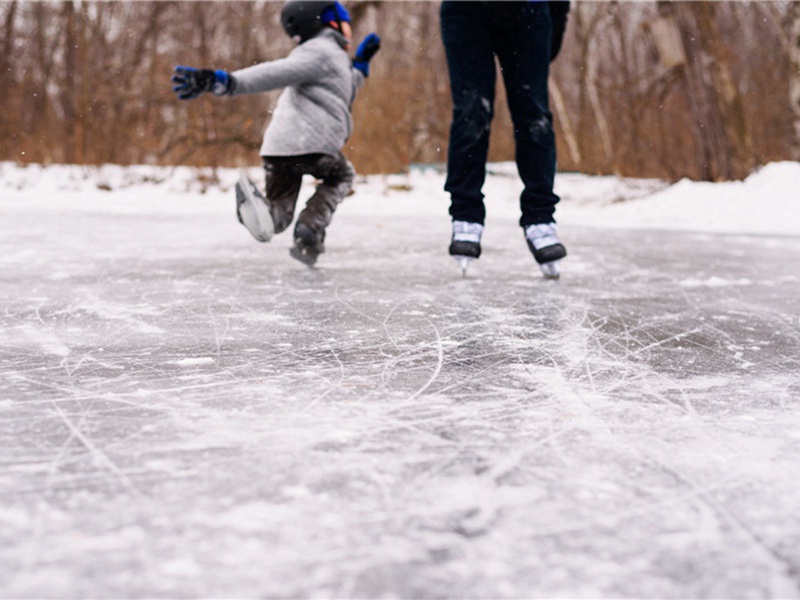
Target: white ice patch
181, 567
46, 339
122, 312
193, 362
715, 282
252, 516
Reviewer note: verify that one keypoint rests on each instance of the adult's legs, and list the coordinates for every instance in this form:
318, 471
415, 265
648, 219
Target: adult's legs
523, 48
470, 62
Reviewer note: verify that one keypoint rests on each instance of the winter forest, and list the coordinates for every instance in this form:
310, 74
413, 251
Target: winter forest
705, 90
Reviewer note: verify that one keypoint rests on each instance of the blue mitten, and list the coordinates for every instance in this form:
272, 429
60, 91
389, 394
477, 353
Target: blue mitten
336, 12
366, 50
190, 82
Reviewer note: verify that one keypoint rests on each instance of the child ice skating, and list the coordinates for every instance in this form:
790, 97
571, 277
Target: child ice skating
309, 126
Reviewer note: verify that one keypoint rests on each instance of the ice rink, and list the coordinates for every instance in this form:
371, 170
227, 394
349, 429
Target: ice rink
187, 413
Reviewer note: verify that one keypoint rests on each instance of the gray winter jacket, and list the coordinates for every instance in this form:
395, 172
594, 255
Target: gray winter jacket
313, 112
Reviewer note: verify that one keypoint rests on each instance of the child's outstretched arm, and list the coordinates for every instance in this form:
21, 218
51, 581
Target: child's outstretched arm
191, 83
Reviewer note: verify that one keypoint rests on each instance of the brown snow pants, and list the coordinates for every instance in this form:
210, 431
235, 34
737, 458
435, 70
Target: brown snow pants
284, 175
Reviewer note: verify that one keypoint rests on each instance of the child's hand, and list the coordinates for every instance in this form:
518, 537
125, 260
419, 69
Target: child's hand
191, 82
366, 50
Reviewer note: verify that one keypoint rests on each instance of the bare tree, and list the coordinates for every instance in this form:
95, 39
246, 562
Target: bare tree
672, 89
794, 86
9, 20
720, 129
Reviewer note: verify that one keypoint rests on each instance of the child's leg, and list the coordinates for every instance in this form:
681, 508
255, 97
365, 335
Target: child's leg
337, 176
284, 176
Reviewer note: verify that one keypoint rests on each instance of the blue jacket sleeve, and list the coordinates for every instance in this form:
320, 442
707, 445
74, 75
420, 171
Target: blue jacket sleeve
302, 65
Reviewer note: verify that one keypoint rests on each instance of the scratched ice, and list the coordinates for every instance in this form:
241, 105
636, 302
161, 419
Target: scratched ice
187, 413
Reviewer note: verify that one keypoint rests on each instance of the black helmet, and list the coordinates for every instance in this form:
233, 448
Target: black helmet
301, 18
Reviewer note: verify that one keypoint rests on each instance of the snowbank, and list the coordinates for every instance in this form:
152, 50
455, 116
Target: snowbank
767, 202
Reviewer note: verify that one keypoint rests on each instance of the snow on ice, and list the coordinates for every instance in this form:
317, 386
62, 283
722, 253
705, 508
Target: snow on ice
188, 413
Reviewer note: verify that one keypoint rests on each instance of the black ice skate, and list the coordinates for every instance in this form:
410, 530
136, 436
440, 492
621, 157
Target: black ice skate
252, 209
547, 249
308, 244
465, 245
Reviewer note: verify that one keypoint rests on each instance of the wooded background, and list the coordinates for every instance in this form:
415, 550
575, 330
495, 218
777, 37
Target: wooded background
706, 90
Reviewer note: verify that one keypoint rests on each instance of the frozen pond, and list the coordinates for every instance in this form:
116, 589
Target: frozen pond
187, 413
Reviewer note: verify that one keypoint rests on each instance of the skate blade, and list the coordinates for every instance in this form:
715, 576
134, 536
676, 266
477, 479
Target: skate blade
550, 270
304, 256
463, 262
253, 211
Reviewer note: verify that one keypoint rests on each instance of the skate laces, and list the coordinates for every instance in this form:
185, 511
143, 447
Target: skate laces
542, 235
464, 231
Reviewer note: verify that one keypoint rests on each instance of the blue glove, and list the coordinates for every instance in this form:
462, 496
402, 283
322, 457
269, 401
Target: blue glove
366, 50
190, 82
336, 13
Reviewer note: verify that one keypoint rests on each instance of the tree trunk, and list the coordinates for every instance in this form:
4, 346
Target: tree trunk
726, 95
6, 79
586, 22
721, 132
794, 83
565, 119
69, 84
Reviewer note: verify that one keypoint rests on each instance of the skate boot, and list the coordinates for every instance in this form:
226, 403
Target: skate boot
308, 244
252, 209
547, 249
465, 245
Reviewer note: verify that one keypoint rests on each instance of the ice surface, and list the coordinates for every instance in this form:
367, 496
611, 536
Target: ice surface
188, 413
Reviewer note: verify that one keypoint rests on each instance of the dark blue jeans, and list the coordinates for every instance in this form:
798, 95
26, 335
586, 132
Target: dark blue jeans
518, 33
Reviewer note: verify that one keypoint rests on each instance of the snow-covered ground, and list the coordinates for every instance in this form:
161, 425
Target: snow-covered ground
766, 202
187, 413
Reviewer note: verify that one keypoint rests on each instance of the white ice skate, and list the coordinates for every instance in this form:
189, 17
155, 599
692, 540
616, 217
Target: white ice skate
253, 210
546, 248
465, 245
